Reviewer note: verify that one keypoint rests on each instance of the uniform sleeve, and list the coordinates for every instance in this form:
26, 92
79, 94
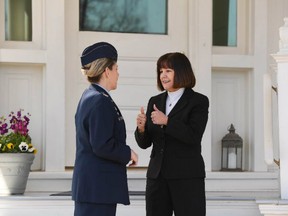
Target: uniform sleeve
102, 129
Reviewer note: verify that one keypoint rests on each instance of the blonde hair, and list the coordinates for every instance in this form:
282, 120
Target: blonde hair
95, 69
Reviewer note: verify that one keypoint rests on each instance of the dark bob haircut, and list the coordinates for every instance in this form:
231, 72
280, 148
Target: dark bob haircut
183, 73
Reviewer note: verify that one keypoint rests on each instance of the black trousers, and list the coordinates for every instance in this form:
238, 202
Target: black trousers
94, 209
184, 197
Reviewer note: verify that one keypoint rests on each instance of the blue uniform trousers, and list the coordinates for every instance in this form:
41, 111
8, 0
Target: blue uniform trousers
94, 209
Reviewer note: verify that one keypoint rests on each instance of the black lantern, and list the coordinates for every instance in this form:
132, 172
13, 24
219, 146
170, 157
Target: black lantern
232, 148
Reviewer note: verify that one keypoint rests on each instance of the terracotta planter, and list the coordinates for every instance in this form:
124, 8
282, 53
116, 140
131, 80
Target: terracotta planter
14, 172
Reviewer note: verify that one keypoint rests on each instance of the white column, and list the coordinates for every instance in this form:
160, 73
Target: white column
268, 123
282, 86
55, 85
200, 52
260, 67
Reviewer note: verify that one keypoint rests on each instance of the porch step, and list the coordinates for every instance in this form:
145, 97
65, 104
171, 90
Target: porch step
48, 193
60, 204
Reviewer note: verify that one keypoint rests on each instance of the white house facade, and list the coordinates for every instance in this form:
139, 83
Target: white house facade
42, 76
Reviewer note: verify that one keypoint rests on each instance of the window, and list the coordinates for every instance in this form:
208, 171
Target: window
126, 16
225, 23
18, 20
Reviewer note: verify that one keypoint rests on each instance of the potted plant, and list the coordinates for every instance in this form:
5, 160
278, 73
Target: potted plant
16, 153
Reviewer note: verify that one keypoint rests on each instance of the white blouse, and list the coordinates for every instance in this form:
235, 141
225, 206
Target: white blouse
172, 99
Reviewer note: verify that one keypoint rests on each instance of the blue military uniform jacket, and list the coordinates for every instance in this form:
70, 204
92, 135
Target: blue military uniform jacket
101, 151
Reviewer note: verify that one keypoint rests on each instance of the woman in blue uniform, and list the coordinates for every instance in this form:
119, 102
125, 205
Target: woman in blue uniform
99, 178
173, 125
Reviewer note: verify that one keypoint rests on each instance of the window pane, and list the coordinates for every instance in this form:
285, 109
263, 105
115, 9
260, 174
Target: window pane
18, 20
225, 22
129, 16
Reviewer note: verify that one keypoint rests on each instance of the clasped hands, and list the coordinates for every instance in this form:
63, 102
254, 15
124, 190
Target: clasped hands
157, 117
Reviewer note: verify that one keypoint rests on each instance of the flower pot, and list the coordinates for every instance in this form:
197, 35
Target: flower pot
14, 172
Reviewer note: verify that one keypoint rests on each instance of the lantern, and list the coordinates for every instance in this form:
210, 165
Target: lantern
232, 148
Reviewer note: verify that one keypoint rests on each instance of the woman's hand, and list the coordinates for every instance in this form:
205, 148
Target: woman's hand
158, 117
141, 120
134, 159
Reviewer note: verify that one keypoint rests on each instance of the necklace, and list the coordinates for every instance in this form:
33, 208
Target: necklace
171, 102
172, 99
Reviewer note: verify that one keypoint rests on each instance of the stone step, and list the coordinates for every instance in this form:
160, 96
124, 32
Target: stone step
43, 204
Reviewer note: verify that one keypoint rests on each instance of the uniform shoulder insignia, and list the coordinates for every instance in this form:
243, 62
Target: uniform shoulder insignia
105, 94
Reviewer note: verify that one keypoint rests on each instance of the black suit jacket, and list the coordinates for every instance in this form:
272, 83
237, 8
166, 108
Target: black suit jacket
176, 147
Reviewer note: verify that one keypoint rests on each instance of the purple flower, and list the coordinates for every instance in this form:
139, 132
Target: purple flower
3, 126
18, 123
3, 129
14, 137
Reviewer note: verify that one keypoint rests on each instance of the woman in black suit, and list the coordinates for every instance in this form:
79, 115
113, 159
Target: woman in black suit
99, 177
174, 125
